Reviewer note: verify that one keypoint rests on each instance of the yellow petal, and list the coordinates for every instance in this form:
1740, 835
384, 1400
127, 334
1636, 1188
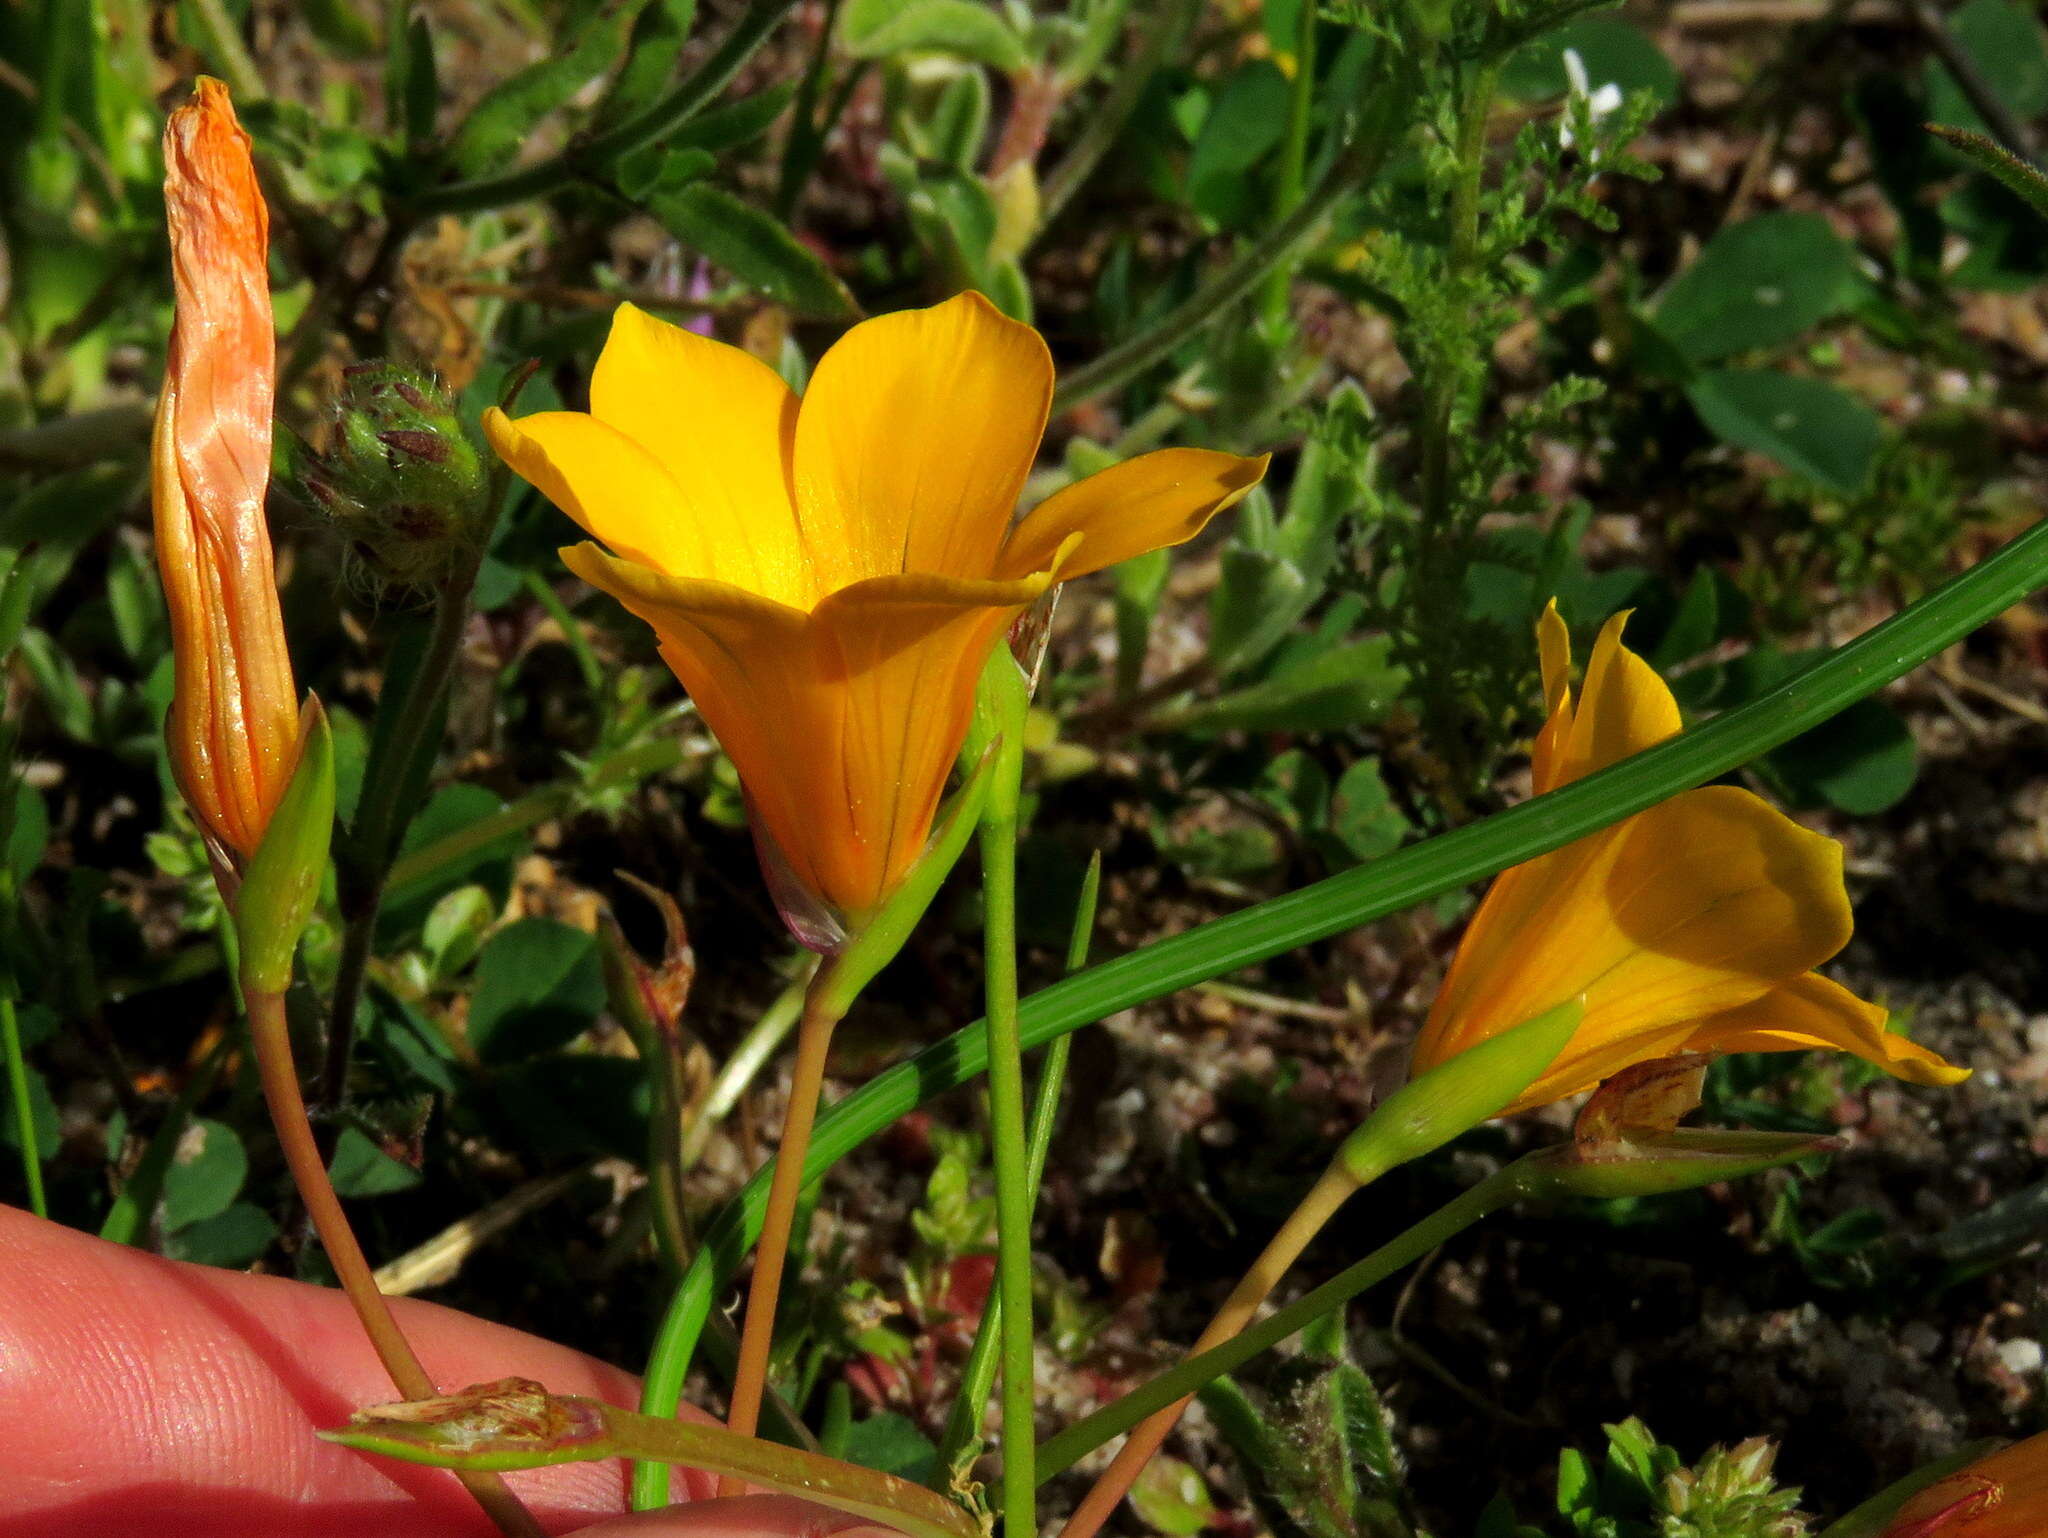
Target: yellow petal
914, 439
1692, 908
723, 424
1812, 1011
754, 670
909, 651
614, 488
1624, 708
1554, 647
1143, 504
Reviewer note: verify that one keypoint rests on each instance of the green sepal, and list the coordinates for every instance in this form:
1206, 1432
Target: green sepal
1002, 701
1665, 1162
1458, 1094
283, 879
878, 940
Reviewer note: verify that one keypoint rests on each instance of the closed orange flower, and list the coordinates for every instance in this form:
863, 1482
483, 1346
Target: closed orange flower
828, 575
2002, 1496
234, 721
1691, 927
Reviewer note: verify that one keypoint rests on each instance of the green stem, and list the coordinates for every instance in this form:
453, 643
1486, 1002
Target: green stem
1099, 133
389, 799
230, 51
959, 1443
1400, 881
1012, 1159
1062, 1452
666, 115
24, 1110
806, 134
1364, 150
1293, 152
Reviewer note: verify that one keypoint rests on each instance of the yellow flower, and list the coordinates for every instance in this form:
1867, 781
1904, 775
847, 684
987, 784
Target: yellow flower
2002, 1496
827, 577
1691, 927
234, 720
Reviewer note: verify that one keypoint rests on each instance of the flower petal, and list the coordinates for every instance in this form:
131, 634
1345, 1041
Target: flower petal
914, 439
1624, 708
1812, 1011
753, 668
1143, 504
601, 478
1554, 647
723, 424
1694, 907
910, 650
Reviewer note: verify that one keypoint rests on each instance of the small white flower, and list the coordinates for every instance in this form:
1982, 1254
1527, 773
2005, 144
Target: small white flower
1598, 104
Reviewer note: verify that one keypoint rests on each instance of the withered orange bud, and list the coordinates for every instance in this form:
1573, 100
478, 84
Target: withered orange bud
234, 722
2002, 1496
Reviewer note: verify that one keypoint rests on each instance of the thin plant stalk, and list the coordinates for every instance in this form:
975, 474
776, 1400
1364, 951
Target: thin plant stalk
271, 1038
1293, 153
24, 1111
813, 1043
1012, 1161
977, 1376
388, 802
1303, 1224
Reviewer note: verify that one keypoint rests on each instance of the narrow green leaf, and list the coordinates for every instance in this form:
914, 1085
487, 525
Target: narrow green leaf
755, 248
501, 123
880, 29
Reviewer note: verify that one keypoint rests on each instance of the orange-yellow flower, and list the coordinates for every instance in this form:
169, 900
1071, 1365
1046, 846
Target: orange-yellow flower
2002, 1496
1691, 927
827, 576
234, 721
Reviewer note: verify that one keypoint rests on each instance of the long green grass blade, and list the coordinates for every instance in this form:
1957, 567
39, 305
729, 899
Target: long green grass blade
1401, 880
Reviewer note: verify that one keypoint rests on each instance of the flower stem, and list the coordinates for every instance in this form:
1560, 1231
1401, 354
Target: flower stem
391, 793
813, 1041
1302, 1225
272, 1040
24, 1111
1012, 1159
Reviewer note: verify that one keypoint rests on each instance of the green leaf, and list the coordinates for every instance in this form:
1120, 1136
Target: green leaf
1245, 123
1862, 762
2004, 40
1345, 686
499, 126
539, 985
361, 1168
233, 1237
1171, 1497
1363, 816
892, 1444
1760, 283
455, 929
735, 123
1807, 425
206, 1173
42, 1113
283, 881
659, 168
880, 29
1613, 51
753, 247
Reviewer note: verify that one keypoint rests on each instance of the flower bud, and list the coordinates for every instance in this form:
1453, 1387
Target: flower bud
399, 479
234, 720
1656, 1163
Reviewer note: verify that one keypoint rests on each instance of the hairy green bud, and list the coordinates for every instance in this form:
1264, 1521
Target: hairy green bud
399, 479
